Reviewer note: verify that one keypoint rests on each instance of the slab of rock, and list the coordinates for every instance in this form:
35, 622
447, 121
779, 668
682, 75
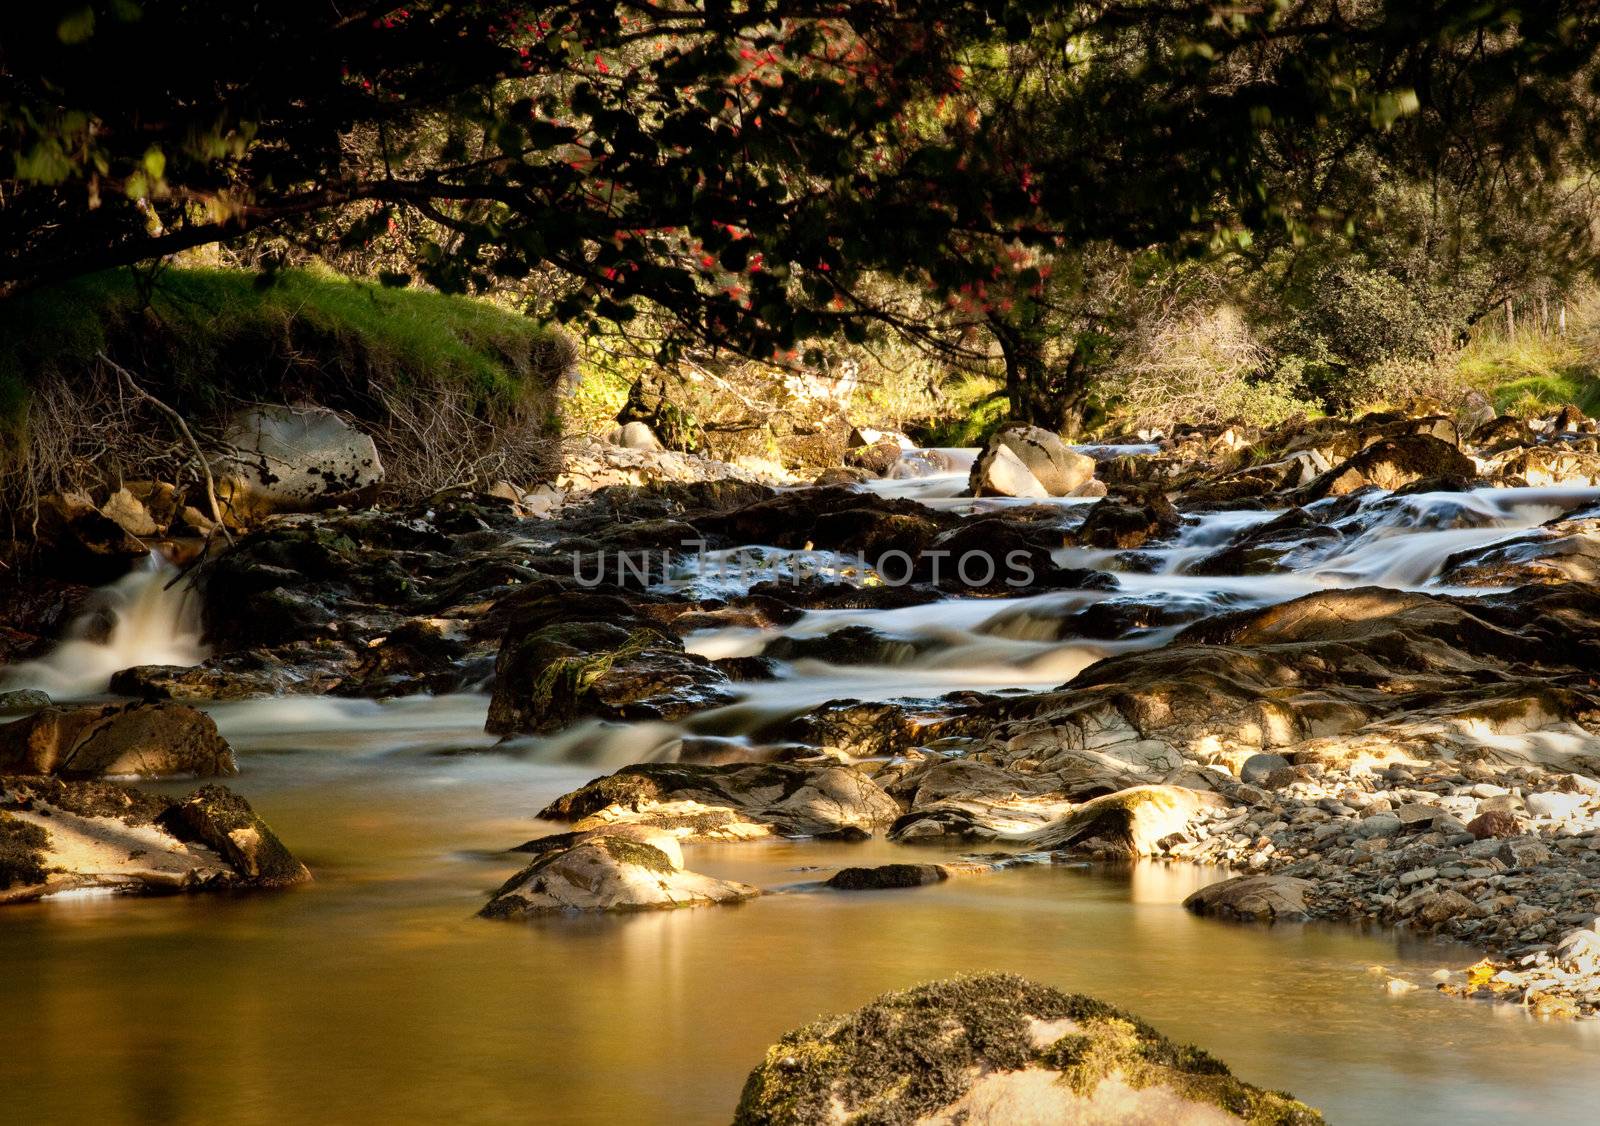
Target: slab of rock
623, 869
131, 740
1253, 897
996, 1050
58, 836
294, 459
1391, 463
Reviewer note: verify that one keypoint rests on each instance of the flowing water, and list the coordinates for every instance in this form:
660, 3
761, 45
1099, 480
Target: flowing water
374, 993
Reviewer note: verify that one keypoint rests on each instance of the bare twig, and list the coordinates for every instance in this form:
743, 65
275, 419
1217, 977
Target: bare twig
183, 428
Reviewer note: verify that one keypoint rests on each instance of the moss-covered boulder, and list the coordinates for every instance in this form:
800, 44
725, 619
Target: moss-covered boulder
624, 869
58, 836
997, 1049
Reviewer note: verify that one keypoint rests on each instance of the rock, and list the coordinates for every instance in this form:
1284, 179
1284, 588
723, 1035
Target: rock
1396, 987
137, 740
1260, 898
875, 458
1133, 821
294, 459
20, 700
638, 436
999, 472
1522, 852
888, 876
58, 836
1258, 768
1379, 825
1059, 469
129, 513
221, 819
1494, 825
1556, 805
991, 1050
1474, 412
1435, 908
1391, 463
1124, 524
842, 476
614, 870
78, 543
732, 801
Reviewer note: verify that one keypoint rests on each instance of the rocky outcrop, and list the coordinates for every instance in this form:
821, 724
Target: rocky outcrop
1132, 822
128, 740
1391, 463
729, 802
1256, 898
620, 869
993, 1050
58, 836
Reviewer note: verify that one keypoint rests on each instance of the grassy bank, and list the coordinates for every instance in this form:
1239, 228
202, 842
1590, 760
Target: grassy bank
453, 388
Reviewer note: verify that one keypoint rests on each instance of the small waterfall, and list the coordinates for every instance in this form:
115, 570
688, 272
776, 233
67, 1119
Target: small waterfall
154, 621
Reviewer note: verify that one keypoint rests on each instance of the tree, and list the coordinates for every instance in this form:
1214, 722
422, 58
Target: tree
750, 168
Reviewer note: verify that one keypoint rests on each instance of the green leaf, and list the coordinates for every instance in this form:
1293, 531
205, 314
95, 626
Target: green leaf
76, 26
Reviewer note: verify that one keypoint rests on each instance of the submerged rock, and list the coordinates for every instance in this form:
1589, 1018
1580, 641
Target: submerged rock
888, 876
134, 740
1252, 897
58, 836
621, 869
996, 1050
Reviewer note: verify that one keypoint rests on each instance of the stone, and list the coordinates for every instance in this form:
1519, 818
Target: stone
996, 1049
1556, 805
294, 459
1258, 768
1133, 822
623, 869
133, 740
58, 836
1391, 463
129, 513
638, 436
1260, 898
20, 700
1435, 908
1522, 852
1000, 472
886, 876
1378, 825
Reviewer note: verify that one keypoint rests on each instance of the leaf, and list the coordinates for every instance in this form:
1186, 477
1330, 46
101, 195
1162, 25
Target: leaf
76, 26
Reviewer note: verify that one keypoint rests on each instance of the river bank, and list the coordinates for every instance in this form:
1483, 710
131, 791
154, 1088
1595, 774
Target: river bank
1350, 667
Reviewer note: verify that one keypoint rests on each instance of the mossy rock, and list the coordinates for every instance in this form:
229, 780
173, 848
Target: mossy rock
996, 1048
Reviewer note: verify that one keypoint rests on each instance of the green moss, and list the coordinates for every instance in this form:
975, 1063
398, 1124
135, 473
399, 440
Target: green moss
626, 850
908, 1055
22, 851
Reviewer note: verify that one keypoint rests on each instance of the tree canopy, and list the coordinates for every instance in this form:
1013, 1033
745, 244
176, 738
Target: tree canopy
749, 168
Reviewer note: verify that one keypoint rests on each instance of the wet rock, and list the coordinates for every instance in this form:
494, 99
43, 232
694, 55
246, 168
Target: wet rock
293, 459
1545, 466
616, 870
996, 1049
852, 645
1258, 898
842, 476
58, 836
886, 876
134, 740
217, 817
726, 802
1128, 523
1267, 547
875, 458
20, 700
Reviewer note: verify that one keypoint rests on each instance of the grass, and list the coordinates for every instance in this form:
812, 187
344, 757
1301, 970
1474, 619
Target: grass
1533, 372
206, 334
973, 410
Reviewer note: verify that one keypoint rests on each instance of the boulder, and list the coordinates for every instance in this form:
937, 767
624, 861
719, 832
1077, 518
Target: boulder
293, 459
1133, 822
58, 836
886, 876
994, 1050
624, 869
1391, 463
136, 740
1124, 524
1259, 898
638, 436
876, 458
999, 472
729, 802
129, 513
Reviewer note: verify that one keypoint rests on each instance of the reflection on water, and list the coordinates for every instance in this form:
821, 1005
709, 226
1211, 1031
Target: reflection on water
373, 994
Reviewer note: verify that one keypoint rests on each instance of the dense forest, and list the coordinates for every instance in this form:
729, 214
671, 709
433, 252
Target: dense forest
795, 458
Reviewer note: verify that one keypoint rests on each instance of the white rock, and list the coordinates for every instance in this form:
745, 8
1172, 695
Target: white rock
294, 459
638, 436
